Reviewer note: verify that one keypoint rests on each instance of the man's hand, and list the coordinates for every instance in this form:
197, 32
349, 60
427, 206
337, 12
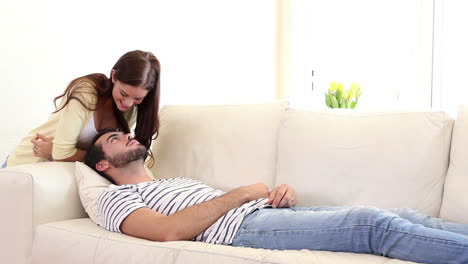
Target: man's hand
283, 196
42, 146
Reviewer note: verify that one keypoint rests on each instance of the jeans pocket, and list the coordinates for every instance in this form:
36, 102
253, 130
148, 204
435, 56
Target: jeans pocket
248, 219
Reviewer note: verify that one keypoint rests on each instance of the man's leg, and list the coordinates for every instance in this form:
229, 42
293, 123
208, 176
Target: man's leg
413, 216
429, 221
5, 163
354, 229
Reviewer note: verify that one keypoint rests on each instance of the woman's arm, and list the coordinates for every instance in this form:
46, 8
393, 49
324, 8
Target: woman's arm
72, 119
78, 156
43, 148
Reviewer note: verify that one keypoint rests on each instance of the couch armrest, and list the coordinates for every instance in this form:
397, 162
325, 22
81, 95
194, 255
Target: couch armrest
31, 195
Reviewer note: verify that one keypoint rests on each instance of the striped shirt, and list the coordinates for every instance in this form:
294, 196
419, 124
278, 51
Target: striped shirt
167, 196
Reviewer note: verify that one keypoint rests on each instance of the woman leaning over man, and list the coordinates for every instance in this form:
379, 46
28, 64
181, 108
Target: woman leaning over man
93, 102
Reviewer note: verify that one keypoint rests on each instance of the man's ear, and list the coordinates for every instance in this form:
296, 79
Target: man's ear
113, 75
103, 165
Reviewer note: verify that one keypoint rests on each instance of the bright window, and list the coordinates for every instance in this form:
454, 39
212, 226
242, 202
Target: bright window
451, 55
384, 45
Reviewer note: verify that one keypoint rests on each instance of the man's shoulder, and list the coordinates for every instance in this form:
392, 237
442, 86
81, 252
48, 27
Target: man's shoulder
116, 194
115, 191
127, 188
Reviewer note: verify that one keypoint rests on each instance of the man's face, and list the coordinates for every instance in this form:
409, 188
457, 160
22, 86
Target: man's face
121, 149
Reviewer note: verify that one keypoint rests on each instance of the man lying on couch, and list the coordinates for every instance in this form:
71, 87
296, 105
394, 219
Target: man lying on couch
252, 216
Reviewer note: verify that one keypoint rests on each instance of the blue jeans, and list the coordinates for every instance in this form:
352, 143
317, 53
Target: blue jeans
5, 163
398, 233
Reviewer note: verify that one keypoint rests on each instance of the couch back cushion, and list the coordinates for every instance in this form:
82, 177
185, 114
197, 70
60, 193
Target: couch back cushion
225, 146
455, 202
387, 159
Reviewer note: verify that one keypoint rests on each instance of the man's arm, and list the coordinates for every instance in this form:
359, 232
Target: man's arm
189, 222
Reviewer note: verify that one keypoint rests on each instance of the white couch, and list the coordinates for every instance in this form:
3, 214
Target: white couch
338, 157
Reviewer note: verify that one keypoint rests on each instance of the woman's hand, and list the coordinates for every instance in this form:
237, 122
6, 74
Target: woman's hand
42, 146
283, 196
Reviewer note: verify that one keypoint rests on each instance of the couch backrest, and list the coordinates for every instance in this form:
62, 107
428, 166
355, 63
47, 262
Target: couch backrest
455, 202
389, 159
348, 157
225, 146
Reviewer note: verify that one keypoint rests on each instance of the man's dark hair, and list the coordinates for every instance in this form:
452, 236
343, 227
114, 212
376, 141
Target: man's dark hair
95, 154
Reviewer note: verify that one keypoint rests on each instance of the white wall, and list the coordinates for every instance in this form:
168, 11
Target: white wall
450, 81
210, 51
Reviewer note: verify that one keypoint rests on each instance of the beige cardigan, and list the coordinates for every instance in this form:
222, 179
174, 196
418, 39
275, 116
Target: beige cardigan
64, 126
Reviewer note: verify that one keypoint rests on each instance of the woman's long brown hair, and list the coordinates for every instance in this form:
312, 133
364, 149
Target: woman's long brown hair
136, 68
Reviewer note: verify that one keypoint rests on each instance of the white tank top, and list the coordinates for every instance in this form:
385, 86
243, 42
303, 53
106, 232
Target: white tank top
87, 134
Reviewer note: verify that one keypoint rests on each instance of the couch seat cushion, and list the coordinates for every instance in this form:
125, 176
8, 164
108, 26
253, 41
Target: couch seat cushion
81, 241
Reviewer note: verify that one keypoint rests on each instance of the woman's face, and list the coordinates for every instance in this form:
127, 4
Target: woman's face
126, 96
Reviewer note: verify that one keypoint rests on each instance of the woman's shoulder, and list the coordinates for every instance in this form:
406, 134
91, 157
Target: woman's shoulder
83, 91
83, 86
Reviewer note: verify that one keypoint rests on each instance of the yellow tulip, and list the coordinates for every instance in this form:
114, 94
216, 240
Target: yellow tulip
340, 87
344, 94
355, 87
338, 97
333, 86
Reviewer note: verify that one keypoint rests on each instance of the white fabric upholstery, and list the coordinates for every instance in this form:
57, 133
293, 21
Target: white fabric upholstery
16, 220
90, 184
384, 159
388, 159
81, 241
31, 195
225, 146
455, 203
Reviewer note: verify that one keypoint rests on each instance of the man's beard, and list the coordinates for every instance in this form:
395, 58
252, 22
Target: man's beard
122, 159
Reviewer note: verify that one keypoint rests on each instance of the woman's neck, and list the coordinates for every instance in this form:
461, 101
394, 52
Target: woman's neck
104, 115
